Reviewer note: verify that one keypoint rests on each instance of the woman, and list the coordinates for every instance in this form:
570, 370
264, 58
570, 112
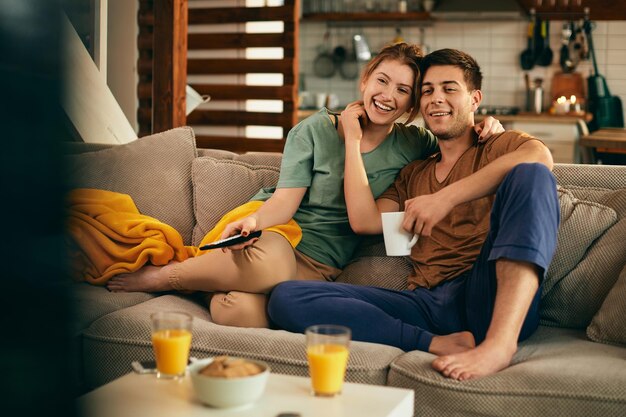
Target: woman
309, 190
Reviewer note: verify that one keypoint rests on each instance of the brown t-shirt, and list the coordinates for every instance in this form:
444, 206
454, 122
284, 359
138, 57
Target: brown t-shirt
456, 241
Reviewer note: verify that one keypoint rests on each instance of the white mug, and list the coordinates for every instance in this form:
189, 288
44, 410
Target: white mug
398, 242
321, 100
194, 99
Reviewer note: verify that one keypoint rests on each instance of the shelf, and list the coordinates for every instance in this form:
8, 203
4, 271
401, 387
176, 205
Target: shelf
367, 17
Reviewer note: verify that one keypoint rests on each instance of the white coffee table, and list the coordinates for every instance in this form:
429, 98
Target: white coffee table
136, 395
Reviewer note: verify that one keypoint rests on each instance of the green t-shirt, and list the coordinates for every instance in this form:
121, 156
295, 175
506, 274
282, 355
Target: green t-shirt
314, 157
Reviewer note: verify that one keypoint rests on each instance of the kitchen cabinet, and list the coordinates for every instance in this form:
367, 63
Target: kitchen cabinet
574, 9
561, 134
561, 138
408, 17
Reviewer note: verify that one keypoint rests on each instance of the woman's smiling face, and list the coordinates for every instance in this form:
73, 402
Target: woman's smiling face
387, 92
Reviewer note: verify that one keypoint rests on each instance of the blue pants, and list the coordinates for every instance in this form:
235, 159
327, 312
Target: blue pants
524, 223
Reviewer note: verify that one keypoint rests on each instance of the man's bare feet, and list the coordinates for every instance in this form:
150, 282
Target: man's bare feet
487, 358
452, 343
147, 279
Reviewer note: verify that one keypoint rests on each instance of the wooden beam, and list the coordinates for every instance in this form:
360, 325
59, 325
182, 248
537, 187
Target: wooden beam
241, 15
169, 68
238, 118
240, 145
229, 91
239, 66
244, 92
229, 118
239, 40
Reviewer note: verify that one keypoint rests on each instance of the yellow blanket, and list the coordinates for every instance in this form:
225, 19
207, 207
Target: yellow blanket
111, 237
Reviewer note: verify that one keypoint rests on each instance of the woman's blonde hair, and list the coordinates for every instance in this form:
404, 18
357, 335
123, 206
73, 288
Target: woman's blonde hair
407, 54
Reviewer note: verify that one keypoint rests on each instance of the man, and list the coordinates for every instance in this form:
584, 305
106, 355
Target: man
475, 289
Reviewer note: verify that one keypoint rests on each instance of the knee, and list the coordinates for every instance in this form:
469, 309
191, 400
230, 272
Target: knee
283, 299
239, 309
533, 177
532, 172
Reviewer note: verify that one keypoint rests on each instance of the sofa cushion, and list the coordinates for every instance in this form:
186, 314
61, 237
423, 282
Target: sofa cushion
379, 271
582, 222
253, 158
220, 185
112, 342
94, 302
575, 299
154, 170
556, 372
609, 323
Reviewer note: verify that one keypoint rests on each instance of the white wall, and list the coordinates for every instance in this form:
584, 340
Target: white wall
122, 56
496, 46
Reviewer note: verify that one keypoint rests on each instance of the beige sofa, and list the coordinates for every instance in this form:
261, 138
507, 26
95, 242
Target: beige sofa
575, 364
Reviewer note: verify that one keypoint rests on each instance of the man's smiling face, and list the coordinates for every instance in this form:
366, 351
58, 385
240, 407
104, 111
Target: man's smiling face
446, 104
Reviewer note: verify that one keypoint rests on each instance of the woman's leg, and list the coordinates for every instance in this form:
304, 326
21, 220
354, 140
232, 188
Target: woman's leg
241, 309
255, 269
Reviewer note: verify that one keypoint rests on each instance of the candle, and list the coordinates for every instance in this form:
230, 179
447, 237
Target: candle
574, 106
562, 105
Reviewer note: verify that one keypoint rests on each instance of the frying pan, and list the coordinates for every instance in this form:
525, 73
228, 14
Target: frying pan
527, 58
349, 68
324, 62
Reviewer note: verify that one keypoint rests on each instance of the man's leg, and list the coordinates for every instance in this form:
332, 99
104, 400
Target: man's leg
503, 290
396, 318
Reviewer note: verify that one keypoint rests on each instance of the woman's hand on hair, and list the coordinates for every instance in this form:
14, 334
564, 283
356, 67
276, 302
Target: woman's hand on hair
353, 121
487, 128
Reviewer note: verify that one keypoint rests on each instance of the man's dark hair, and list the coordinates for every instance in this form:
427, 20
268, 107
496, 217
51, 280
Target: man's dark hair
469, 66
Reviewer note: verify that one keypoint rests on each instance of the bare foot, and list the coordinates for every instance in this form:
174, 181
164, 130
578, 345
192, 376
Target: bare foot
487, 358
452, 343
147, 279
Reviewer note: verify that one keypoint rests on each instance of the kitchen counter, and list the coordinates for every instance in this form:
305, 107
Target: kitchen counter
560, 133
607, 140
539, 118
519, 117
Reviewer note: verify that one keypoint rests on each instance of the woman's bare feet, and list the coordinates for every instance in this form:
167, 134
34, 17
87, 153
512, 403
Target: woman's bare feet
487, 358
452, 343
147, 279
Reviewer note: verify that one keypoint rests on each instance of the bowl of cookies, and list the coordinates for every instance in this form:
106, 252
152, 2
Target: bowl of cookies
225, 382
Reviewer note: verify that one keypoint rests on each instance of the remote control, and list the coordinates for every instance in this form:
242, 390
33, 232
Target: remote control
232, 240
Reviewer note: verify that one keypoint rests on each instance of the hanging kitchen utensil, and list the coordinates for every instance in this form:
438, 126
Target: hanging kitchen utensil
324, 64
574, 46
349, 68
606, 109
564, 60
538, 39
527, 58
528, 96
361, 48
398, 38
584, 52
545, 57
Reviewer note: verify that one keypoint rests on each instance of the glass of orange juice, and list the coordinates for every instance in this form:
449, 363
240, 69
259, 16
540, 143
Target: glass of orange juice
171, 340
327, 348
